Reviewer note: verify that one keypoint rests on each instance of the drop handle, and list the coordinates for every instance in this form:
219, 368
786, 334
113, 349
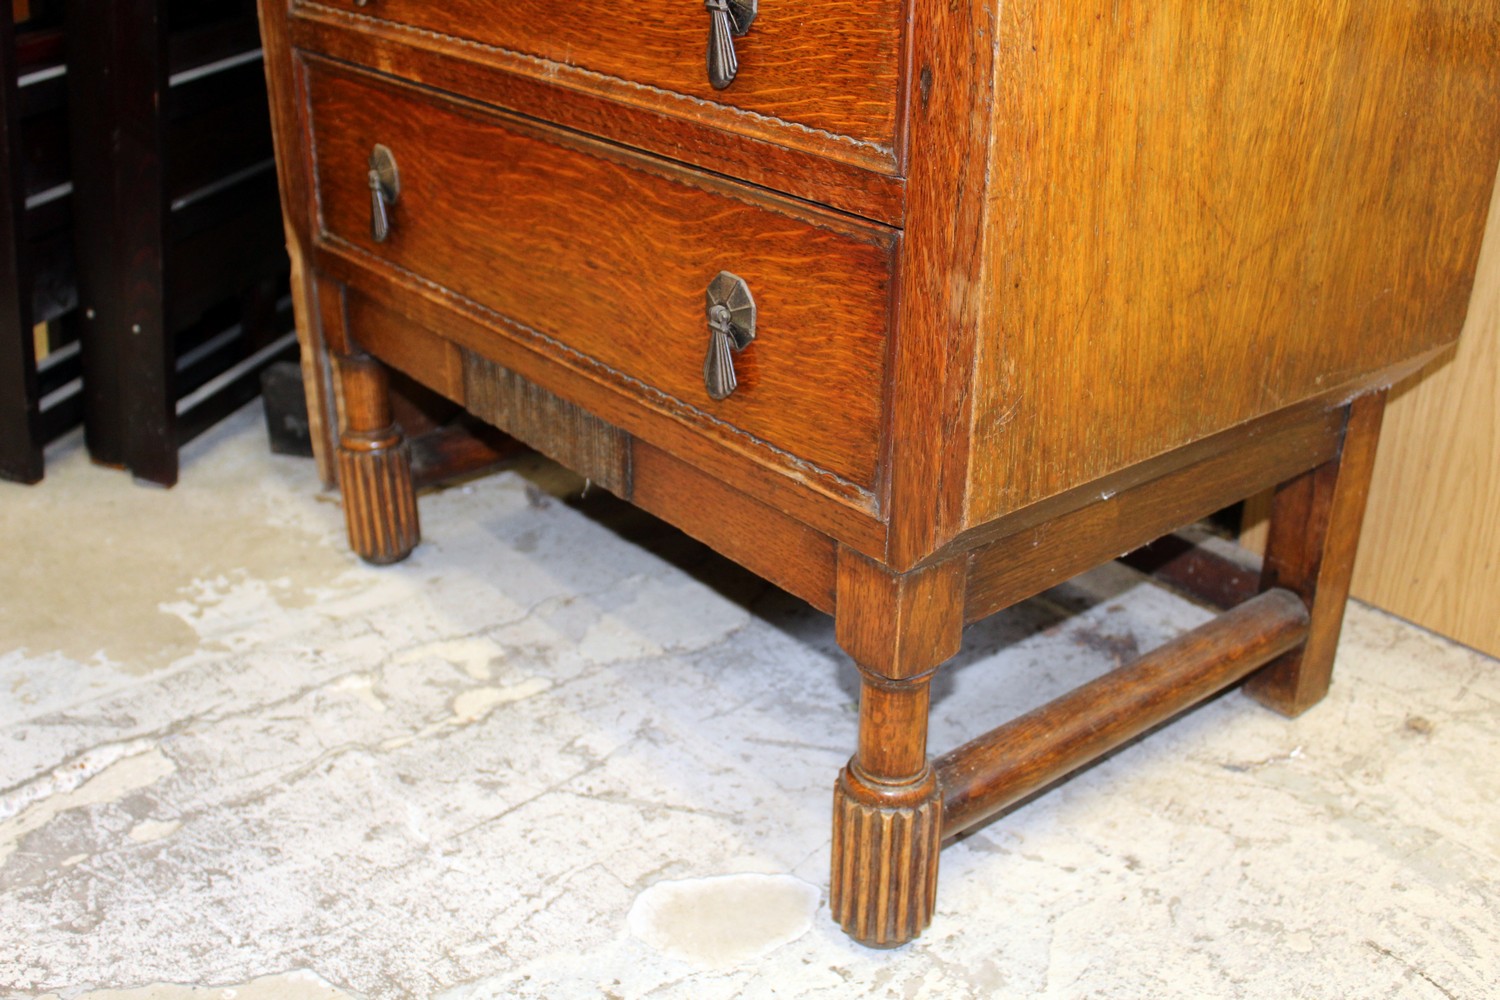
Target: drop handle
731, 328
728, 20
385, 188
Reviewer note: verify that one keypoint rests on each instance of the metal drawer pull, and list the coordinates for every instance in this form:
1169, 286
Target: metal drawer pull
731, 327
728, 19
385, 188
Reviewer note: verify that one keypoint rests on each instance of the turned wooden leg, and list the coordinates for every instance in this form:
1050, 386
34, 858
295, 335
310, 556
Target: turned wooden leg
1314, 531
887, 808
380, 506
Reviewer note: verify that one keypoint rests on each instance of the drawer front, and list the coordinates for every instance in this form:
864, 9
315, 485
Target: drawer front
599, 256
831, 66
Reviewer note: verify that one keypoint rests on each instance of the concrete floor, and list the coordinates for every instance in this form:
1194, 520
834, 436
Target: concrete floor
565, 752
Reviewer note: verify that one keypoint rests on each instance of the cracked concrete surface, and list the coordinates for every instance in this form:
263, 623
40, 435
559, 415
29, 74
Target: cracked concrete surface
565, 751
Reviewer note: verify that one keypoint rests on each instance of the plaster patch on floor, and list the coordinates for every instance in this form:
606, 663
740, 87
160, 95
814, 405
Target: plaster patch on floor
474, 656
471, 706
122, 776
153, 829
723, 920
362, 687
297, 985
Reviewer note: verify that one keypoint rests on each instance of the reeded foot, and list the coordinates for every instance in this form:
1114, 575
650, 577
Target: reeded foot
886, 840
380, 506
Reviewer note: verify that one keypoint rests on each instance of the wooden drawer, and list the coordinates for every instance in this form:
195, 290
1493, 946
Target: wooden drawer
601, 258
806, 71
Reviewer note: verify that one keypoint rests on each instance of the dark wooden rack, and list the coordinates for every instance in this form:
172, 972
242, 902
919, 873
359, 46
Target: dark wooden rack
40, 385
150, 229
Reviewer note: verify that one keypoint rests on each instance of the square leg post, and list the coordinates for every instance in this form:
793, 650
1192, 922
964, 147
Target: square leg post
887, 807
1314, 532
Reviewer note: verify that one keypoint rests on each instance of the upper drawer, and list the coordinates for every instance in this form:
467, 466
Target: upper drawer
822, 73
598, 256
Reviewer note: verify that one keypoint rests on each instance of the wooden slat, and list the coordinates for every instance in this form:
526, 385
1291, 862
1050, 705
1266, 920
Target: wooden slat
943, 291
1025, 755
243, 244
1193, 570
463, 448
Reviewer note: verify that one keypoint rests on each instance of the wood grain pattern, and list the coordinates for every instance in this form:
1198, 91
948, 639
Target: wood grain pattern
432, 360
1140, 258
1244, 206
899, 625
1012, 761
1038, 554
286, 86
944, 294
748, 466
883, 886
491, 209
1314, 534
812, 165
769, 543
380, 505
1431, 543
830, 67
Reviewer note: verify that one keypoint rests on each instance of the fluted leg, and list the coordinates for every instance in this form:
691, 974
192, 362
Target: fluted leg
380, 506
887, 807
887, 823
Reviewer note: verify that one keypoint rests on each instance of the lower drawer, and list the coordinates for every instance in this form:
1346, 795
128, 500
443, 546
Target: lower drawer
605, 257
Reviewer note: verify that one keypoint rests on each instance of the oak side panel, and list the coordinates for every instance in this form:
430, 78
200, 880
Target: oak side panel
1246, 205
1431, 549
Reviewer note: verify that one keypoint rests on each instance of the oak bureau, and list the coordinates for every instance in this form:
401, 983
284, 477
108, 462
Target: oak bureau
913, 307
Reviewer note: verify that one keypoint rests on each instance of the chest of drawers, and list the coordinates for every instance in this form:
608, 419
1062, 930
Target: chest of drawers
914, 307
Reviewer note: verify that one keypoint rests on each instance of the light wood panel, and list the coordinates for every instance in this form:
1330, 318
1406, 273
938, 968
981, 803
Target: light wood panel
1431, 549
